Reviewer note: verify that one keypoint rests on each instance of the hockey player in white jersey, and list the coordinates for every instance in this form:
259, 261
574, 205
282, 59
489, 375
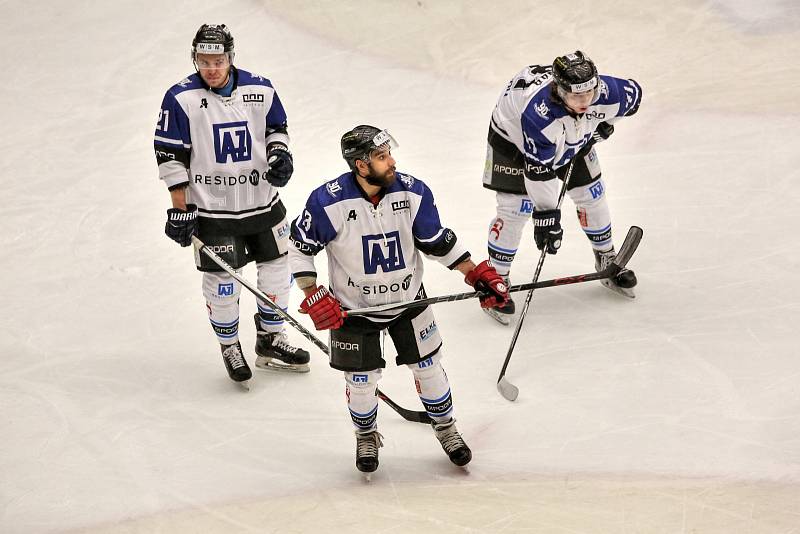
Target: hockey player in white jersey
373, 223
546, 117
222, 150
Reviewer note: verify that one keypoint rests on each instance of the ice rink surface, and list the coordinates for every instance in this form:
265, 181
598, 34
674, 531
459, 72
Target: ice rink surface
678, 412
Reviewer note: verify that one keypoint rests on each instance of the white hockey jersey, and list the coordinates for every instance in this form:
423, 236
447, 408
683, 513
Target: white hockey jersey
544, 132
373, 250
217, 145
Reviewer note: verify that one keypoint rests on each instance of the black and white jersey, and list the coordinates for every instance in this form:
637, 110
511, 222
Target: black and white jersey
217, 146
373, 250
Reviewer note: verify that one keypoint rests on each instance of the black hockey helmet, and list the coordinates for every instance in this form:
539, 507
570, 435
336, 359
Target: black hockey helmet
213, 39
361, 141
575, 73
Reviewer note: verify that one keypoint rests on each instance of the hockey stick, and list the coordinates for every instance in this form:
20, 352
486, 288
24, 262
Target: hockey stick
625, 252
408, 415
506, 388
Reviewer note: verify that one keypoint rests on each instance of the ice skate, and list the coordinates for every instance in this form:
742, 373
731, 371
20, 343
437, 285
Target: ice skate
502, 314
452, 442
274, 353
624, 281
236, 365
367, 445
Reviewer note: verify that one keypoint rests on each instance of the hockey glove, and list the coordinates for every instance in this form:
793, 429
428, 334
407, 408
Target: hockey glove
181, 224
485, 280
603, 132
280, 164
324, 309
547, 230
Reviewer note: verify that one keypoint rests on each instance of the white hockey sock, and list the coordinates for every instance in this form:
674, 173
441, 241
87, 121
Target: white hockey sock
273, 279
593, 213
221, 291
362, 399
433, 388
505, 230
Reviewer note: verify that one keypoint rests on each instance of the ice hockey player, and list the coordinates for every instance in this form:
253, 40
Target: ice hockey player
547, 117
222, 150
373, 222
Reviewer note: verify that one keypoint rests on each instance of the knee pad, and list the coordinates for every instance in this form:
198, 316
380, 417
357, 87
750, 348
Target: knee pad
362, 398
273, 279
593, 213
505, 230
433, 387
221, 291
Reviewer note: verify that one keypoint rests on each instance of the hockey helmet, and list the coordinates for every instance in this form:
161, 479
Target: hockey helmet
212, 39
360, 142
575, 73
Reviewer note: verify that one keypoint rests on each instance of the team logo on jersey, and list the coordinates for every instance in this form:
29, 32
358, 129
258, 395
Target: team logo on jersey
232, 140
384, 251
526, 206
333, 187
225, 290
401, 205
360, 379
184, 82
595, 115
406, 179
252, 98
596, 190
541, 109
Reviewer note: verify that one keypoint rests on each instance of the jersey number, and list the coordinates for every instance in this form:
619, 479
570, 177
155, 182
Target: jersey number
163, 120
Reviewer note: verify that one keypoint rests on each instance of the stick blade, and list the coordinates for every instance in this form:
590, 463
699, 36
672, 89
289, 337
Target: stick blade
629, 246
508, 390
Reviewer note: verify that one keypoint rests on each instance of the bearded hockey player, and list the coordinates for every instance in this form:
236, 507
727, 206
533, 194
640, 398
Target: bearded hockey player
546, 118
374, 224
222, 149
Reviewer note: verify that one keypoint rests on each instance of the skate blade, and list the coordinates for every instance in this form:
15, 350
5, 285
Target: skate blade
244, 384
502, 318
625, 292
266, 363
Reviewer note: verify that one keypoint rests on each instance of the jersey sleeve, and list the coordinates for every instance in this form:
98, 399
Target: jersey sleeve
310, 232
172, 143
541, 182
627, 94
276, 126
430, 237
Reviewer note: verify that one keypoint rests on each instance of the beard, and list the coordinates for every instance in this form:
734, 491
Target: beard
384, 179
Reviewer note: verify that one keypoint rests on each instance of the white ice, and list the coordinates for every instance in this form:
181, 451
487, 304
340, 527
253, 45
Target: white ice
676, 412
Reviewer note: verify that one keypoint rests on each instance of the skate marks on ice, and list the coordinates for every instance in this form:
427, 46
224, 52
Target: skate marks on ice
557, 504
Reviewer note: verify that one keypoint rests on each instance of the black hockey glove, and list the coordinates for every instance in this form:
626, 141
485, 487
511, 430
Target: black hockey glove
603, 132
547, 230
280, 165
181, 225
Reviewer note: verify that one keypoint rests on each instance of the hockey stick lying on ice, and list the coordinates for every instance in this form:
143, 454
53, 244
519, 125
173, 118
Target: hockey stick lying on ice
408, 415
625, 252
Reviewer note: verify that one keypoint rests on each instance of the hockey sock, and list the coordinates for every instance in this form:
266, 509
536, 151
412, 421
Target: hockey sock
222, 301
593, 213
362, 399
433, 388
273, 279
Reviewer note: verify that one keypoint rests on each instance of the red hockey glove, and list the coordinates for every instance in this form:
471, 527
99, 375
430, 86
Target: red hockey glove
485, 280
324, 309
